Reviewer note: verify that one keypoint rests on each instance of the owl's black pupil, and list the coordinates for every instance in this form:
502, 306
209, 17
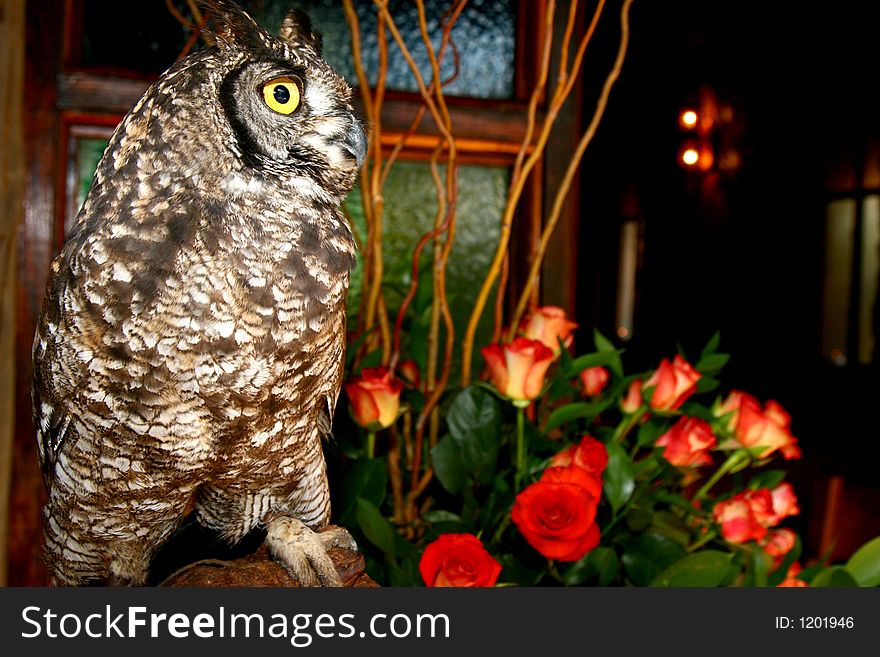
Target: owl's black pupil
282, 94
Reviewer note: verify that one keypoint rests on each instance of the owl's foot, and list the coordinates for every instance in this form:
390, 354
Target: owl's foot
303, 551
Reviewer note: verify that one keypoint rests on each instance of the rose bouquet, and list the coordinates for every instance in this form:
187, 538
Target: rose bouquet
564, 470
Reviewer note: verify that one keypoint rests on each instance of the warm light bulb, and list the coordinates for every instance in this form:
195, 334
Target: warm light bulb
688, 119
690, 157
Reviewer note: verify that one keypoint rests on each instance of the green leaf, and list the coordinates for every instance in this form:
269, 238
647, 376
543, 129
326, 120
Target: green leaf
648, 433
441, 516
446, 460
707, 384
648, 555
712, 363
670, 525
706, 568
767, 479
834, 576
603, 344
593, 360
760, 566
376, 527
575, 411
474, 421
367, 479
472, 410
619, 476
601, 564
711, 346
864, 564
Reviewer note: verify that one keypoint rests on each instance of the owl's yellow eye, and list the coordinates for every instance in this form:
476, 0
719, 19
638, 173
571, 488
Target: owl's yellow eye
282, 95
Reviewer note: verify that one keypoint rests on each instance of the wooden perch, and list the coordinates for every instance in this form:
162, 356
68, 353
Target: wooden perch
260, 570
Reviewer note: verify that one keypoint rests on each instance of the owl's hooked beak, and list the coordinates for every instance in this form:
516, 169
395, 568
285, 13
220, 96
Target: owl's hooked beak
356, 142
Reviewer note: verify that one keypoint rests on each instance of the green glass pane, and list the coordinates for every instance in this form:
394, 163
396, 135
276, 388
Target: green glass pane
410, 209
88, 154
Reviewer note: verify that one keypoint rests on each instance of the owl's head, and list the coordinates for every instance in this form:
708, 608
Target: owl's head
290, 113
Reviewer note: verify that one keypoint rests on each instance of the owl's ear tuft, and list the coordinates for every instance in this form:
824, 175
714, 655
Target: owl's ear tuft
297, 29
230, 25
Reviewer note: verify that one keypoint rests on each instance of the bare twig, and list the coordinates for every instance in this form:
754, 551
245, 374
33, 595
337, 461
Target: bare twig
574, 163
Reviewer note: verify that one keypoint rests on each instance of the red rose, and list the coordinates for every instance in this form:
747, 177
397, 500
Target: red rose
753, 426
458, 560
738, 521
518, 368
557, 514
633, 400
548, 325
594, 380
375, 397
673, 383
688, 442
589, 455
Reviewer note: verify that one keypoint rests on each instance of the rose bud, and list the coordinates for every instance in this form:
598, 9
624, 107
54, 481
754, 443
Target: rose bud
409, 372
517, 369
791, 578
594, 380
458, 560
778, 543
548, 325
374, 397
673, 383
633, 400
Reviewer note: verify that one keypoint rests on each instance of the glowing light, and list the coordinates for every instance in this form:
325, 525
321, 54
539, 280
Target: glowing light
690, 157
622, 332
688, 119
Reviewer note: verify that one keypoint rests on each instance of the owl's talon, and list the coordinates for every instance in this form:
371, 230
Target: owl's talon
303, 552
337, 537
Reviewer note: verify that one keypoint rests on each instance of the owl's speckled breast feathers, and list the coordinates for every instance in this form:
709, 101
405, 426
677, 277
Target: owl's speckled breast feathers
191, 343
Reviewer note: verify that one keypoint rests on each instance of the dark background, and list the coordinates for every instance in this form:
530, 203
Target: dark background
743, 252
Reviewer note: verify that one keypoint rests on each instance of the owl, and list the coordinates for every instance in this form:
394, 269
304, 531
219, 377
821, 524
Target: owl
189, 353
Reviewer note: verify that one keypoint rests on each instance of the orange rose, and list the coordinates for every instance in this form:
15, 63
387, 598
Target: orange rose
791, 579
633, 400
761, 503
688, 442
557, 515
738, 521
458, 560
753, 426
784, 501
518, 368
594, 380
548, 325
375, 398
778, 543
673, 383
589, 455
